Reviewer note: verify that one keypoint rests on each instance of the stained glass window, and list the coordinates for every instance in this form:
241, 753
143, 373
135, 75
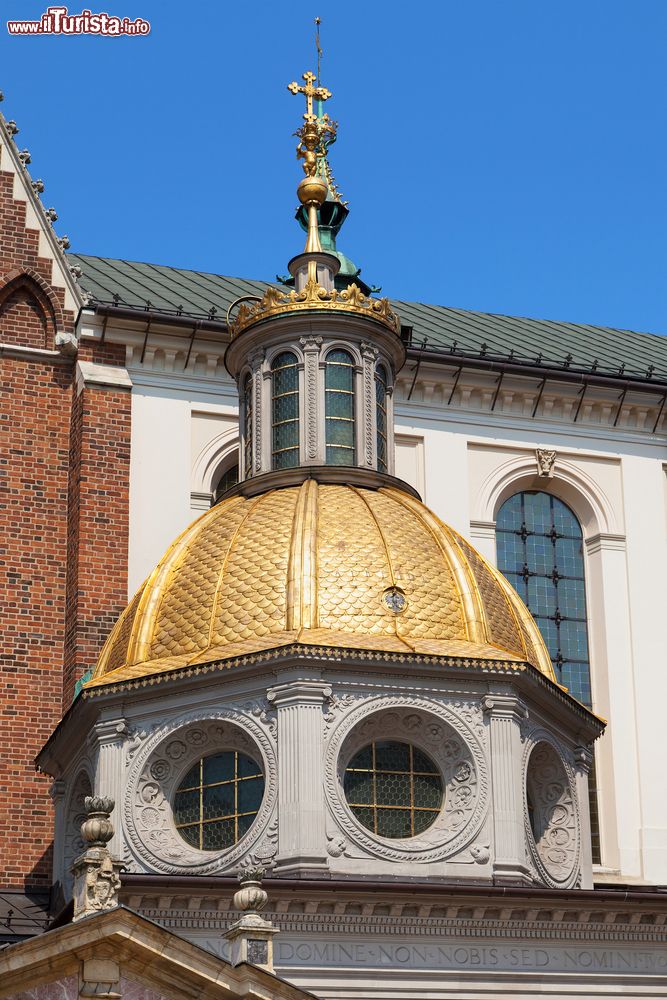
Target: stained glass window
381, 416
393, 789
218, 799
540, 551
247, 432
285, 411
339, 408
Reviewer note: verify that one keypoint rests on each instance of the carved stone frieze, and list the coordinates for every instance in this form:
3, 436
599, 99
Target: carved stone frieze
451, 742
165, 757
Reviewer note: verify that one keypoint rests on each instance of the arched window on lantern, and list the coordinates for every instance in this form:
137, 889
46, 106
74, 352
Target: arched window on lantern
381, 416
285, 411
339, 408
228, 477
540, 550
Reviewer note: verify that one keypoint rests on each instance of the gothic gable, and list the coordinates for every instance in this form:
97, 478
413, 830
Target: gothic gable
39, 296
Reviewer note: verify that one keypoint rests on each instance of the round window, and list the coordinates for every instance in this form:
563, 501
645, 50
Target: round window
218, 799
393, 789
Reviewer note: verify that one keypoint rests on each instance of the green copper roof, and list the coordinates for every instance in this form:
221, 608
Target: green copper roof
565, 345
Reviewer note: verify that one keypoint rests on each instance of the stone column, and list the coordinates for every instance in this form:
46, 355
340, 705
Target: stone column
109, 738
313, 445
301, 808
505, 713
583, 757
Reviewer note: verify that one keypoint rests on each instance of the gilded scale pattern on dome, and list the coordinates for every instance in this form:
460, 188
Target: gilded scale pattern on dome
183, 618
251, 599
420, 569
311, 564
501, 621
352, 566
114, 652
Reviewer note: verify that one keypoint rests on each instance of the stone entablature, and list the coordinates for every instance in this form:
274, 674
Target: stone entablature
382, 940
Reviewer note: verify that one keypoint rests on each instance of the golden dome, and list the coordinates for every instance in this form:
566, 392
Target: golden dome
315, 564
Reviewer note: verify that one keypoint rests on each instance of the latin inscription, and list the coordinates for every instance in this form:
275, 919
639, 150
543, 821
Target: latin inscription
428, 956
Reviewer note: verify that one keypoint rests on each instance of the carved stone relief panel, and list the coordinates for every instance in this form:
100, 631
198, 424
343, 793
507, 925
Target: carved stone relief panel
551, 814
452, 742
159, 765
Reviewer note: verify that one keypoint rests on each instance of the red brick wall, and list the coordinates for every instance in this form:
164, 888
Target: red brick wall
98, 517
64, 489
34, 418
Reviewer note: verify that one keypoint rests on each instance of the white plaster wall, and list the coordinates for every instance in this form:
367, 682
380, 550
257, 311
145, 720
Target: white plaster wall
159, 477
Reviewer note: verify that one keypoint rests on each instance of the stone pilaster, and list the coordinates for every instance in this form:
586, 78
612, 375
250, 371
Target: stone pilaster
57, 793
301, 808
505, 713
368, 452
257, 389
313, 443
108, 738
583, 757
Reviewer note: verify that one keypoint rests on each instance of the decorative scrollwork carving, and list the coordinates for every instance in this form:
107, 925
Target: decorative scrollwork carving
159, 764
551, 815
449, 741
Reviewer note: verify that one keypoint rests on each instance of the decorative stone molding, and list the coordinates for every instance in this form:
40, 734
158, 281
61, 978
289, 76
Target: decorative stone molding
163, 757
96, 873
450, 735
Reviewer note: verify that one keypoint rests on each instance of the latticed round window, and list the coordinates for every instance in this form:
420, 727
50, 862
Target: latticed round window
393, 789
218, 799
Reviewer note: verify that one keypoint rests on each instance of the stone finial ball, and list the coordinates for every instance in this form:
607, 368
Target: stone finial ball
312, 189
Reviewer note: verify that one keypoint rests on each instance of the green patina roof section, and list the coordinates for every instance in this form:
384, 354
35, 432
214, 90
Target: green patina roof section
196, 292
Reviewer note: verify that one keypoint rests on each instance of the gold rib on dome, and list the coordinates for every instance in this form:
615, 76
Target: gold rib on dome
313, 564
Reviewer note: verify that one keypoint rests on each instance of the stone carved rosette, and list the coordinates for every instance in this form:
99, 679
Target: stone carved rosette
551, 813
159, 766
456, 746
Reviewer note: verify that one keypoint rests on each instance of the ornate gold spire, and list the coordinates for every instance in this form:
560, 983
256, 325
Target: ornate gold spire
315, 131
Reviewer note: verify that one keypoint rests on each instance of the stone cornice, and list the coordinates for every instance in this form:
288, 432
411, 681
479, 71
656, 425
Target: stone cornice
35, 354
579, 926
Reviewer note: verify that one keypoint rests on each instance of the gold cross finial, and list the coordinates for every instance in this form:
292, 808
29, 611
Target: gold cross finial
319, 93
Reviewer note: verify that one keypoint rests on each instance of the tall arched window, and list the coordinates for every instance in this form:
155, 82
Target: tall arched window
339, 408
247, 429
381, 416
540, 551
285, 411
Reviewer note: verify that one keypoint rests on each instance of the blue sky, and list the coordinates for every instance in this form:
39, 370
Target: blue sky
502, 156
